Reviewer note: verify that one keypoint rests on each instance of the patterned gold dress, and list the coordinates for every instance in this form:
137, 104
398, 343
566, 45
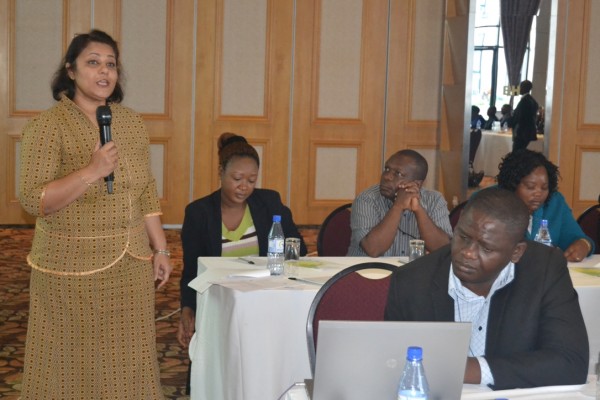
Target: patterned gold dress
91, 330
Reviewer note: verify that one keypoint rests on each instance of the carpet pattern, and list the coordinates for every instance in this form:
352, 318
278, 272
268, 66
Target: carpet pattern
15, 243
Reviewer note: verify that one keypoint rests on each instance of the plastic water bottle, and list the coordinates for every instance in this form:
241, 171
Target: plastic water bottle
413, 383
543, 234
276, 247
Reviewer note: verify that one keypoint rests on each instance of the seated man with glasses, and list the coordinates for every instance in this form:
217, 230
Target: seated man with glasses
386, 216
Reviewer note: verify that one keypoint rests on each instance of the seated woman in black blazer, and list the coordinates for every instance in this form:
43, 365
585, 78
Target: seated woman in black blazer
233, 221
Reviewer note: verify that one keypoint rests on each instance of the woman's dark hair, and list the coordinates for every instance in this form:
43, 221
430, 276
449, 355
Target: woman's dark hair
231, 145
518, 164
62, 83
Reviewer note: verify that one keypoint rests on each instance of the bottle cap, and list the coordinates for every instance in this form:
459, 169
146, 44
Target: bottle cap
414, 353
276, 218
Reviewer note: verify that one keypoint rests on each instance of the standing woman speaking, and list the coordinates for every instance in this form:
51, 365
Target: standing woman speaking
95, 255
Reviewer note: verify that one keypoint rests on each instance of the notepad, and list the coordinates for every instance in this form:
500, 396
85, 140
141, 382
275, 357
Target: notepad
251, 273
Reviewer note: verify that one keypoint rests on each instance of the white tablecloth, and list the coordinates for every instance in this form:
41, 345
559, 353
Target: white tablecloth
250, 340
494, 146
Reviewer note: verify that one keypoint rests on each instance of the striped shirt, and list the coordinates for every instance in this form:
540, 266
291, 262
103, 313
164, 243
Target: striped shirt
370, 207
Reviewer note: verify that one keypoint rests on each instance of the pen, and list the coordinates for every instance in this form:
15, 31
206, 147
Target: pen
293, 278
246, 260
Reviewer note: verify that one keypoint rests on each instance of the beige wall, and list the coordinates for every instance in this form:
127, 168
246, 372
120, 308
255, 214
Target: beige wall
322, 88
575, 143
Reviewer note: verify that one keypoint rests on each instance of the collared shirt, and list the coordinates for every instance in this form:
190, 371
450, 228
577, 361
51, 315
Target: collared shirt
470, 307
370, 207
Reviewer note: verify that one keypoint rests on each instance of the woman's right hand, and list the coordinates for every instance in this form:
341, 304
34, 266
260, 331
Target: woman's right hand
187, 326
105, 159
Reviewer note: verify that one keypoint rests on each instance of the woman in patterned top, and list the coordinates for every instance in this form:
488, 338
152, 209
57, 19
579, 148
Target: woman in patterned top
95, 256
233, 221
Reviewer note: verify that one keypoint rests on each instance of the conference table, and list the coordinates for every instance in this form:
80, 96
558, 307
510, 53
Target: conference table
250, 340
473, 392
493, 146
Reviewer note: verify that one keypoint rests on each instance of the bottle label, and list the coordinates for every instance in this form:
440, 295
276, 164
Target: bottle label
276, 245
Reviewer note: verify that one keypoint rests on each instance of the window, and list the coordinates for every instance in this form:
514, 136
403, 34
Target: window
489, 66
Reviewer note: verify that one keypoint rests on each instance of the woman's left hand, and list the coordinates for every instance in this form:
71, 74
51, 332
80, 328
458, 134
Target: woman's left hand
162, 268
577, 251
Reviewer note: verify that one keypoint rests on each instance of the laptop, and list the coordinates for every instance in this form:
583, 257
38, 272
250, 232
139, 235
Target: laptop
365, 359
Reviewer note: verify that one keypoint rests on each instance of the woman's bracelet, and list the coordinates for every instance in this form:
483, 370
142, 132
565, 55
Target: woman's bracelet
162, 251
588, 244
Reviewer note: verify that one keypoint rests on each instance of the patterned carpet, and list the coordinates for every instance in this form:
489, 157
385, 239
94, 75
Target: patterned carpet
15, 243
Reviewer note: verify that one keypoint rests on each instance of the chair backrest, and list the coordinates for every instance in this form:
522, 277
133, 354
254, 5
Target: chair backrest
348, 296
589, 221
455, 214
335, 233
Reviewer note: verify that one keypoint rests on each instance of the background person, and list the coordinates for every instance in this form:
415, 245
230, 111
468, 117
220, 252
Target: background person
91, 329
527, 326
386, 216
535, 180
491, 113
525, 118
476, 118
232, 221
506, 118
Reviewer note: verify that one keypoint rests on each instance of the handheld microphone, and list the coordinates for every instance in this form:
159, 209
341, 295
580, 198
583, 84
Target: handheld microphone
104, 118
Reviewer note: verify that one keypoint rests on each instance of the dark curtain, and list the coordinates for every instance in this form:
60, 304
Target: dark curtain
516, 17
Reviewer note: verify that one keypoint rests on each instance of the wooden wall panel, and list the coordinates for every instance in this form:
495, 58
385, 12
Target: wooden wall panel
19, 102
364, 132
383, 85
455, 110
576, 143
265, 123
415, 80
164, 98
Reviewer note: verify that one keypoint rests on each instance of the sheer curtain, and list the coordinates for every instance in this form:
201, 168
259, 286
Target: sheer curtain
516, 17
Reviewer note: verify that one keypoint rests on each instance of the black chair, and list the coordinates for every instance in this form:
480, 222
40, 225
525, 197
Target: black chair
475, 178
474, 140
348, 296
335, 233
455, 214
589, 221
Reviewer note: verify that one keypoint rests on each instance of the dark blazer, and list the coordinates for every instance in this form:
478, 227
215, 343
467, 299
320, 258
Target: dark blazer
201, 232
524, 118
536, 335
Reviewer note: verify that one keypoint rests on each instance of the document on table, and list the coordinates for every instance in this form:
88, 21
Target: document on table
244, 284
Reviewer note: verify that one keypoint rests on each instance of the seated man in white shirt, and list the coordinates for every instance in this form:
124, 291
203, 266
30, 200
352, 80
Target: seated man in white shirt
527, 326
386, 216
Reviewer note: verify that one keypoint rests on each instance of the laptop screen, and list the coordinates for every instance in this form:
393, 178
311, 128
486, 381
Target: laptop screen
365, 359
